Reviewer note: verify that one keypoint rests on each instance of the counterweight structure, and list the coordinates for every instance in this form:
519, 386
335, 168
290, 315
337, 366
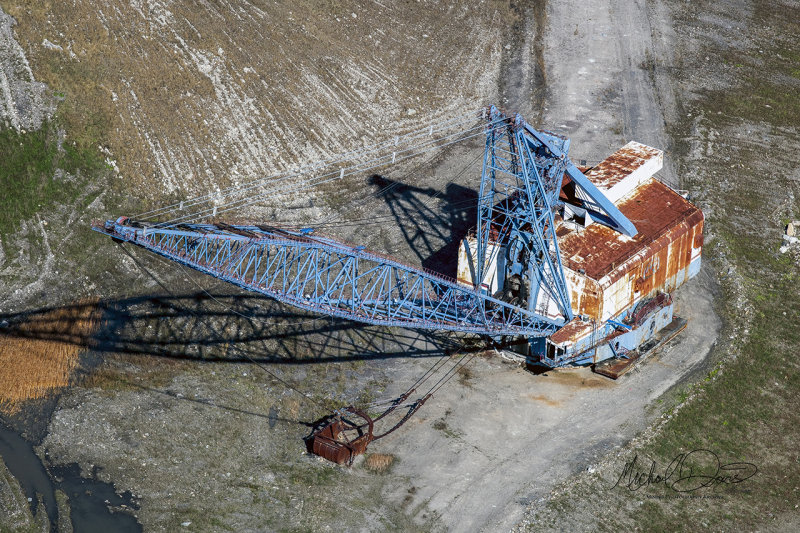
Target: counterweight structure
514, 282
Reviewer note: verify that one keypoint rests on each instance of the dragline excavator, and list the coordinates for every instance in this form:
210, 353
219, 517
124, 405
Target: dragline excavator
565, 265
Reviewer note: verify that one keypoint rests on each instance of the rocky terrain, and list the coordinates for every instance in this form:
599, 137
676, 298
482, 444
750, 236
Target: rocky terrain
141, 103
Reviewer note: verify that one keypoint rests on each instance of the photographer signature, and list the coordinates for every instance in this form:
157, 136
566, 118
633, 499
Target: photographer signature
686, 473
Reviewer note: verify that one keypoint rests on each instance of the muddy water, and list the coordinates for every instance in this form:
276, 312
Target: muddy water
94, 505
26, 467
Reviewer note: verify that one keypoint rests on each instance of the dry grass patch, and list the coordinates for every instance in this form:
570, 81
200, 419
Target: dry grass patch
379, 462
38, 355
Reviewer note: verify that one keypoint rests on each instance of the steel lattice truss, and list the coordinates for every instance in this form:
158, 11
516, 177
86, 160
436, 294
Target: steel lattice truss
322, 275
522, 174
521, 179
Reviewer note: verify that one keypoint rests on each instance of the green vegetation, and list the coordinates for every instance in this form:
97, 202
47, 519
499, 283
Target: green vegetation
760, 98
742, 413
745, 409
28, 173
766, 77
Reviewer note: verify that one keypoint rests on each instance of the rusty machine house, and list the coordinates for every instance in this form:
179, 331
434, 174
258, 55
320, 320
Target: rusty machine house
620, 286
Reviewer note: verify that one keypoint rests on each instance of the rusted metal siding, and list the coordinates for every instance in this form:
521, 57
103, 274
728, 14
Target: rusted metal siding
608, 273
624, 270
600, 251
463, 270
585, 294
662, 265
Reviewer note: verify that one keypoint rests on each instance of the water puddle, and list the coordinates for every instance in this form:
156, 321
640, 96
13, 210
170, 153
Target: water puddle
26, 467
94, 505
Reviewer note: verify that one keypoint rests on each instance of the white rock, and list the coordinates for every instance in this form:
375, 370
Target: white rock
51, 46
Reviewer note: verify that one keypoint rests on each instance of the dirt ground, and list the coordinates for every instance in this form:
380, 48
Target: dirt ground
203, 438
727, 82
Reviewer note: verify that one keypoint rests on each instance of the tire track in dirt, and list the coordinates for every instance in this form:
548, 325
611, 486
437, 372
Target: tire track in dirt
202, 97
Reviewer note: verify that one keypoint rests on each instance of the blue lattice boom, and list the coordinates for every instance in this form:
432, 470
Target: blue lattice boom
523, 169
322, 275
522, 174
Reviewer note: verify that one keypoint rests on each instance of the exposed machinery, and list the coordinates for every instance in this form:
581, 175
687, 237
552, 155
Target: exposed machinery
618, 279
566, 265
555, 261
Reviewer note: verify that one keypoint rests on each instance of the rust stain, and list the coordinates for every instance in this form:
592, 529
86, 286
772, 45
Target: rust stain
572, 330
621, 164
544, 399
698, 237
577, 379
660, 214
590, 304
584, 294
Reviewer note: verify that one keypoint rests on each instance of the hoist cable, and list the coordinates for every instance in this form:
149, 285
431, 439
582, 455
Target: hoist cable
245, 202
378, 162
424, 132
305, 184
336, 158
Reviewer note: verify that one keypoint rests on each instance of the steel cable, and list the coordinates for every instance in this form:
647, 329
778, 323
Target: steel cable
291, 187
348, 156
336, 158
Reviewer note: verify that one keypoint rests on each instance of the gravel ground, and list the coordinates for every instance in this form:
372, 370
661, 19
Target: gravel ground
217, 445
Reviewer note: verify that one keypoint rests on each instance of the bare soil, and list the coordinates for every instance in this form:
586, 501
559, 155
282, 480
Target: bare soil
186, 99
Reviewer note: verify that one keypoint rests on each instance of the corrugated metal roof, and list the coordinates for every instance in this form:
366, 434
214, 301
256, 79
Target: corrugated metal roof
597, 249
622, 163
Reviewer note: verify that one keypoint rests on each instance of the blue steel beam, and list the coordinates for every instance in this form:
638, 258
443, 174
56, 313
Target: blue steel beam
623, 225
520, 184
600, 201
326, 276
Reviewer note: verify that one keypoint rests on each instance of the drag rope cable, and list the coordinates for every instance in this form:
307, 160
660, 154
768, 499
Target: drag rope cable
422, 379
414, 406
449, 374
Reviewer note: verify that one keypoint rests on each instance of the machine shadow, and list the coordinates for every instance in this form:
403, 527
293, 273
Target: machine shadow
232, 327
433, 223
238, 326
